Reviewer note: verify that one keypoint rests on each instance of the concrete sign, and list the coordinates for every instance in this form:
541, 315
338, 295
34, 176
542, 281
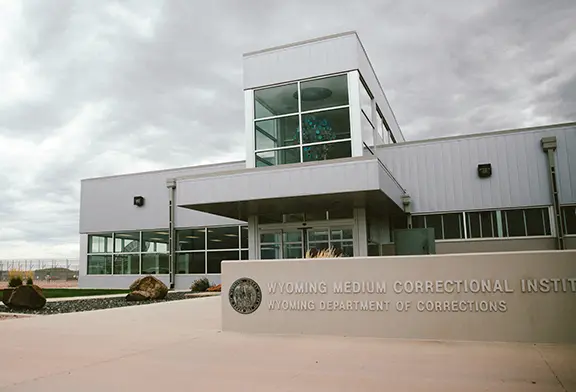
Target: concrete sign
512, 296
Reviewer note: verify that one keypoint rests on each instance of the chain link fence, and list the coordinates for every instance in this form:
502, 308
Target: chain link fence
41, 269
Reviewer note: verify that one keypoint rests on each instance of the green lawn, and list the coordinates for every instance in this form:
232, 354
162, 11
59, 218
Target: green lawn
63, 293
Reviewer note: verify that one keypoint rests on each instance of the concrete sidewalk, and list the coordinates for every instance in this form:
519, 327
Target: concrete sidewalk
179, 346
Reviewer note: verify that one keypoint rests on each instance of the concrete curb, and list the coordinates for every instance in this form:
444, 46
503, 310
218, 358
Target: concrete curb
200, 295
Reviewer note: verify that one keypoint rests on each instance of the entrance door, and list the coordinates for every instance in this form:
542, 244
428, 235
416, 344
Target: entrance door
294, 243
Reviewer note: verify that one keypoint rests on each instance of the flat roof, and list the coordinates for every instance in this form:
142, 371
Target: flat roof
482, 134
174, 169
303, 42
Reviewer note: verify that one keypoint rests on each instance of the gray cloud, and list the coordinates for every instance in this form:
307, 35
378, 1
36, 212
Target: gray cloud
96, 87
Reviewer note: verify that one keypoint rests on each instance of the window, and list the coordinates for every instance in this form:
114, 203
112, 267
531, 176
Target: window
128, 253
483, 224
99, 265
100, 243
304, 121
446, 226
201, 250
527, 222
276, 101
569, 215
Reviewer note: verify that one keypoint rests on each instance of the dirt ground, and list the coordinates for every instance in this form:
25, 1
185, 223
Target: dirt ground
52, 284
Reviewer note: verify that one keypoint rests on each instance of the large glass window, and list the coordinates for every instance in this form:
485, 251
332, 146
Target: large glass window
100, 243
277, 132
276, 101
125, 264
201, 250
128, 253
300, 122
99, 264
569, 215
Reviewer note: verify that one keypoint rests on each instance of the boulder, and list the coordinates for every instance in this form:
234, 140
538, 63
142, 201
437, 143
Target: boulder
26, 297
147, 287
6, 294
137, 296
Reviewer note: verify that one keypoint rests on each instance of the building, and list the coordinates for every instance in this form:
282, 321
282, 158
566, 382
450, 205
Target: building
327, 166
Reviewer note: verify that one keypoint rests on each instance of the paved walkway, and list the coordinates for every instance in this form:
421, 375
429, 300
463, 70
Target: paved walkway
179, 346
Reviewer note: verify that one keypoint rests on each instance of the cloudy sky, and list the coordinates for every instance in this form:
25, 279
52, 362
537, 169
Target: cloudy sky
94, 87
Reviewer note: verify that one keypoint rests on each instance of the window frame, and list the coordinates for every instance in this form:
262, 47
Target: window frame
300, 113
114, 253
500, 222
240, 249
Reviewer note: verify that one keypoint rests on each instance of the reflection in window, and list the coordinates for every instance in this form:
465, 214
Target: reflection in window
194, 257
127, 264
223, 237
278, 157
127, 242
192, 239
276, 101
324, 118
324, 93
100, 244
99, 265
155, 241
278, 132
155, 263
191, 263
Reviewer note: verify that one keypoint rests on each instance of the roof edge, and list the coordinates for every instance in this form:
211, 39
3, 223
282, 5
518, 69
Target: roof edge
164, 170
299, 43
481, 134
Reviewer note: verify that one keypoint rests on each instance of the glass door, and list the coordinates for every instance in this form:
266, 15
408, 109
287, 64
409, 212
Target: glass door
339, 239
297, 243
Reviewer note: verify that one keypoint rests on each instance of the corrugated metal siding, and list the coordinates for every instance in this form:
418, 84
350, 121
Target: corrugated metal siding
300, 62
442, 175
106, 204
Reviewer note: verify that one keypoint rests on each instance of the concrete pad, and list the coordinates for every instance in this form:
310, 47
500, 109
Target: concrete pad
179, 345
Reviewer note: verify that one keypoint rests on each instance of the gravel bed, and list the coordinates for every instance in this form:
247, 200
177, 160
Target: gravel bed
85, 305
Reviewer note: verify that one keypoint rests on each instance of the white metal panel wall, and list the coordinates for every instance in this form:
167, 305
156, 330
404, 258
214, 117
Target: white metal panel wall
301, 61
371, 80
566, 156
106, 204
442, 175
282, 181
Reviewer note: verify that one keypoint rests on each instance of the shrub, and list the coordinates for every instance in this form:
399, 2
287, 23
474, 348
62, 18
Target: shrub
200, 285
324, 253
15, 281
29, 281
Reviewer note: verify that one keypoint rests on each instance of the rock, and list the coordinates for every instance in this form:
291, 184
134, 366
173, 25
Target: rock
137, 296
148, 287
6, 294
26, 297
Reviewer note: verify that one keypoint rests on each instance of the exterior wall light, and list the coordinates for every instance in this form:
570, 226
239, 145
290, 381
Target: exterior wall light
138, 201
484, 170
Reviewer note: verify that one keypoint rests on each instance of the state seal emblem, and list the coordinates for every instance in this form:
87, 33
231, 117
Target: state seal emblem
245, 295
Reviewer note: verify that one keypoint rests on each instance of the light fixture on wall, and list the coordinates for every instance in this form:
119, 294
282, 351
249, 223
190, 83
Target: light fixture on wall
138, 201
484, 170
